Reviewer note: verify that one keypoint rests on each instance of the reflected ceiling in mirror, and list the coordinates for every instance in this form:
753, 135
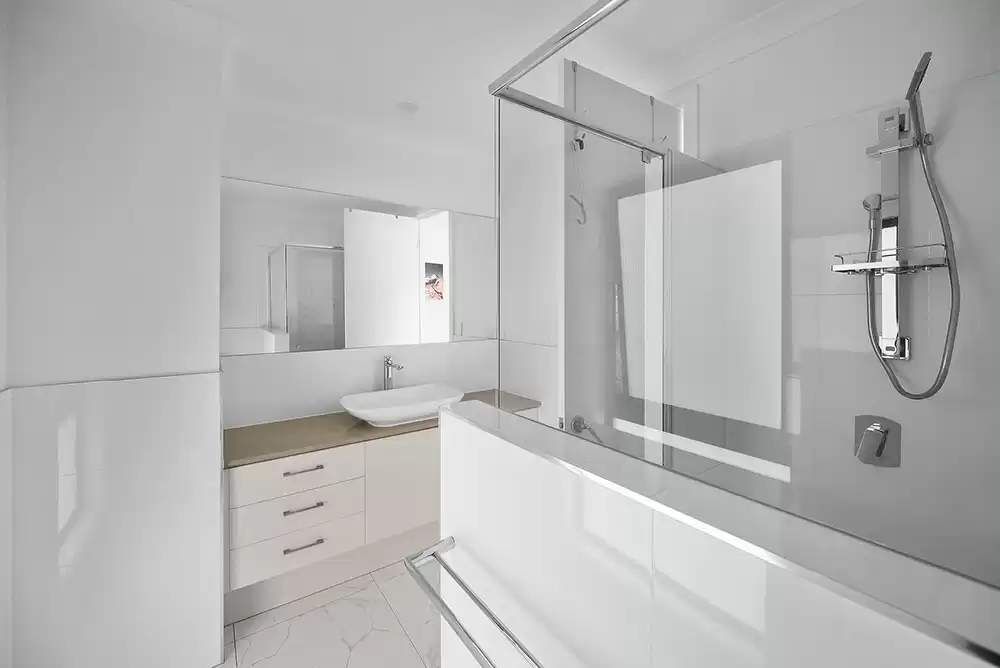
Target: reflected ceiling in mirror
304, 270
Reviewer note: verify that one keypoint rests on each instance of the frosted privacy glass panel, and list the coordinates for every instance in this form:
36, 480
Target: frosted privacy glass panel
305, 270
721, 295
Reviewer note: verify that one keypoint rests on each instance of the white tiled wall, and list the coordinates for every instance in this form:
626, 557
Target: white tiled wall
114, 202
587, 575
5, 418
267, 388
6, 526
812, 100
112, 257
117, 529
531, 370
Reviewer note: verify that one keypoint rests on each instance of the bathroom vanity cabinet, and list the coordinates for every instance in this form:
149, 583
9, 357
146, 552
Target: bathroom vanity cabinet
303, 491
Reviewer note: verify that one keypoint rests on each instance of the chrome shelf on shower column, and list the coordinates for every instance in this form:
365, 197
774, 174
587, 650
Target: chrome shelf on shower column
901, 260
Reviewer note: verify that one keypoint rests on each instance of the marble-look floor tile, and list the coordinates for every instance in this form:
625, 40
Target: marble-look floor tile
414, 610
358, 630
265, 620
230, 654
389, 572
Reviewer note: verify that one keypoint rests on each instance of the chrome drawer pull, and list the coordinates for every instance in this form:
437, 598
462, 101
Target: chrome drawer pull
289, 474
293, 550
318, 504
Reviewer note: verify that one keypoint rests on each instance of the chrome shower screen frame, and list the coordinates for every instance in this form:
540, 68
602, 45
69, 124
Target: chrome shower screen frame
502, 87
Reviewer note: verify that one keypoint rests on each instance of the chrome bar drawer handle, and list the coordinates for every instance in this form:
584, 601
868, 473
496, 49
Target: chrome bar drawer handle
318, 504
293, 550
289, 474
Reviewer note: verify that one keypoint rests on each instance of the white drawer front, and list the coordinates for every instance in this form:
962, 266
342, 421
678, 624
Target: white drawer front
268, 558
276, 517
280, 477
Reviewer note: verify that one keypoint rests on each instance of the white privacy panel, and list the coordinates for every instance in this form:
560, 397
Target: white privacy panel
721, 254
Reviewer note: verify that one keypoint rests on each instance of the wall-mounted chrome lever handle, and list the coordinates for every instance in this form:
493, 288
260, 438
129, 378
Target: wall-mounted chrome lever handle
877, 440
872, 441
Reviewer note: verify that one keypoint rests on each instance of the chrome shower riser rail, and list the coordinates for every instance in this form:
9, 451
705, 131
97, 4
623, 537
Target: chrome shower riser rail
581, 24
433, 553
553, 110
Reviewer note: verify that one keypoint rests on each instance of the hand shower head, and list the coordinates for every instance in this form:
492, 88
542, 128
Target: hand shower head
913, 99
918, 75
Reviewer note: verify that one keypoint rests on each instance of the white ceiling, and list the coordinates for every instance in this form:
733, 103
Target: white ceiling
352, 63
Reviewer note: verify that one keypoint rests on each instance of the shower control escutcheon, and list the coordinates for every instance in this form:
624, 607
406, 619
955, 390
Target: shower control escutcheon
877, 440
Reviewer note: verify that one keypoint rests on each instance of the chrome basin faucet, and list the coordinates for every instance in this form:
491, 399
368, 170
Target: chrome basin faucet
388, 382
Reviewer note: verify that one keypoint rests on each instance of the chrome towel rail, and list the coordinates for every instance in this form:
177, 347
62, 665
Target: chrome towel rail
433, 553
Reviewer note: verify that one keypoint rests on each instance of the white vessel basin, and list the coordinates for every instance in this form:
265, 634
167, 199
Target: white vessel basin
388, 408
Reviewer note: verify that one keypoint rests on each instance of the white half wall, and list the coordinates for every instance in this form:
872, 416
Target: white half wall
589, 530
268, 388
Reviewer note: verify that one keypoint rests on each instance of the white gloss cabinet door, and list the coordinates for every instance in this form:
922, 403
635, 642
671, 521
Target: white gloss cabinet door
402, 483
118, 550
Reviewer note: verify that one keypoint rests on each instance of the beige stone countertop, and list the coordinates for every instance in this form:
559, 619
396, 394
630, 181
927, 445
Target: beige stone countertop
273, 440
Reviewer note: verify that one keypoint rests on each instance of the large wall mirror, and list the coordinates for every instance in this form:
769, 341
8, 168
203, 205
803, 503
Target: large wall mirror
305, 270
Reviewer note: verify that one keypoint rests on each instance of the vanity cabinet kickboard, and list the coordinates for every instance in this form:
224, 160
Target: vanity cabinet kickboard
275, 556
276, 517
254, 483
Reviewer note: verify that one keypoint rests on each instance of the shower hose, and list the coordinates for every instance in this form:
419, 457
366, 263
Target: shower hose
956, 296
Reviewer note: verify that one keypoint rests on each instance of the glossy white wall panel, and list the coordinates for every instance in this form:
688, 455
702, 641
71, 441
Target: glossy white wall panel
531, 227
117, 524
6, 525
563, 561
282, 146
267, 388
114, 207
817, 114
532, 371
4, 67
959, 33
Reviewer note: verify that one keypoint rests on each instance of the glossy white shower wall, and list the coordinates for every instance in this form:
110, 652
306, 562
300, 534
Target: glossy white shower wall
573, 549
